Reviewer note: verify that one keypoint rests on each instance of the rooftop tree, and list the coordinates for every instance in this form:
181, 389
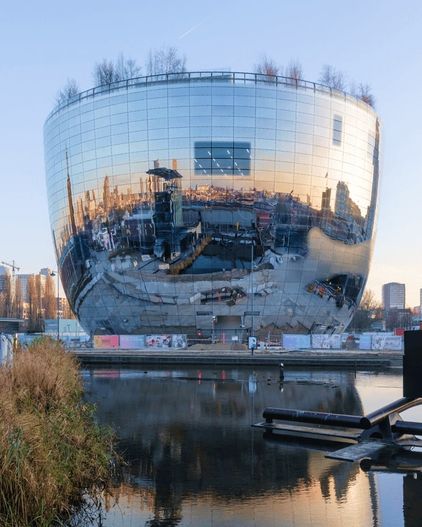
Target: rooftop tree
294, 70
165, 60
364, 93
332, 78
69, 90
267, 66
106, 72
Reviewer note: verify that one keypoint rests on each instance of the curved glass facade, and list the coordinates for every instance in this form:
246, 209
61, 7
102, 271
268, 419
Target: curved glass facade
220, 204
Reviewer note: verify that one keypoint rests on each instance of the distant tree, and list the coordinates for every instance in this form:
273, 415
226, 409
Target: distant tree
332, 78
294, 71
69, 90
369, 309
106, 72
35, 320
7, 297
165, 60
369, 302
127, 68
49, 301
18, 299
2, 304
267, 66
364, 93
67, 311
398, 318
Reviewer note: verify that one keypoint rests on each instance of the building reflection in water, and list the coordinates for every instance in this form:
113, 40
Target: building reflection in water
193, 458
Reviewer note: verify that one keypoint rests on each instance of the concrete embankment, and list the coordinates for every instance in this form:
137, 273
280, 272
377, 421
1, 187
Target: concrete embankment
314, 359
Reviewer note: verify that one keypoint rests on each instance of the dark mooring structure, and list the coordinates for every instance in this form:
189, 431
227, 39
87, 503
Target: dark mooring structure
380, 440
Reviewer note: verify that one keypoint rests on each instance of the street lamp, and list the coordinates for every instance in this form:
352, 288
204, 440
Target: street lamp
55, 273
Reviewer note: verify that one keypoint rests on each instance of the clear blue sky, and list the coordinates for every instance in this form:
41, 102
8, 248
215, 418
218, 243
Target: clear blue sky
43, 43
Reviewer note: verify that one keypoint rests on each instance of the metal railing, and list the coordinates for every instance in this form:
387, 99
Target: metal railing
234, 77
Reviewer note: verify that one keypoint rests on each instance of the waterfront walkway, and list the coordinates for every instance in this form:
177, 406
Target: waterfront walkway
316, 358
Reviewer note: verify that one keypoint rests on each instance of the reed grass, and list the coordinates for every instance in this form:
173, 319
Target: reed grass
53, 455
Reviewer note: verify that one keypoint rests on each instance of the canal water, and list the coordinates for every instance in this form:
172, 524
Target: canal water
193, 458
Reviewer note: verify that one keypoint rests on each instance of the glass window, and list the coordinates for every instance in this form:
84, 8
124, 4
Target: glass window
137, 126
197, 111
244, 121
141, 115
104, 151
120, 149
158, 144
245, 111
262, 122
178, 101
119, 129
222, 157
179, 142
200, 121
157, 133
337, 129
222, 121
222, 100
103, 141
200, 101
157, 123
157, 103
223, 111
102, 121
200, 131
178, 132
241, 100
135, 106
175, 122
157, 113
138, 146
243, 131
177, 111
119, 139
265, 133
265, 112
140, 135
118, 108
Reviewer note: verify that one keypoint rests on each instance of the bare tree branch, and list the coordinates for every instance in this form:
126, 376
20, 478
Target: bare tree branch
294, 71
332, 78
105, 73
127, 68
365, 94
69, 90
267, 66
369, 302
165, 60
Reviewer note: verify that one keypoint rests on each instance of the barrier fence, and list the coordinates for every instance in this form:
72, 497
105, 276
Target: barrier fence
345, 341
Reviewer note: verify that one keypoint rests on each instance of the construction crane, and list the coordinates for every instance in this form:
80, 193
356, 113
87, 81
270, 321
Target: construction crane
12, 265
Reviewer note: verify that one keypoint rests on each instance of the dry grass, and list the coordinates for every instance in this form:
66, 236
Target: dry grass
52, 453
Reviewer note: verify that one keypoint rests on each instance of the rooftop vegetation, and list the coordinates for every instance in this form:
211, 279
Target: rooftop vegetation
170, 60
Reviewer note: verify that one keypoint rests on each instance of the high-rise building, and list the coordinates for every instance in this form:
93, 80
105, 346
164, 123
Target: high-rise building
202, 203
24, 281
394, 296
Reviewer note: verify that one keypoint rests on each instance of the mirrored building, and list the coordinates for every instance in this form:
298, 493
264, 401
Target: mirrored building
220, 204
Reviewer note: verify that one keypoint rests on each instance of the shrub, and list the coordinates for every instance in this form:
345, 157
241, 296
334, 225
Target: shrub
54, 458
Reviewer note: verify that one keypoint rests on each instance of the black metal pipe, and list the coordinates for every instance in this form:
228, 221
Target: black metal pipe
320, 418
379, 415
407, 427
